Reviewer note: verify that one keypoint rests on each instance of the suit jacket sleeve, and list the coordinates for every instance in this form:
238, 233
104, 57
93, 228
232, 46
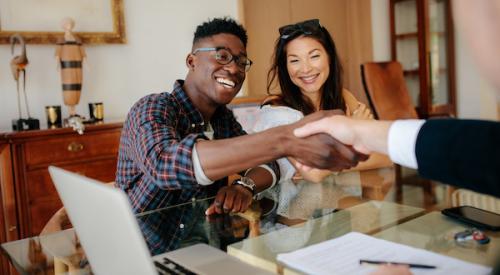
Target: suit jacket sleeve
464, 153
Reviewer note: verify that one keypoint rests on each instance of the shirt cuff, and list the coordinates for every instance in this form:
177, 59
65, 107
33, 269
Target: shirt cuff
402, 140
200, 176
265, 166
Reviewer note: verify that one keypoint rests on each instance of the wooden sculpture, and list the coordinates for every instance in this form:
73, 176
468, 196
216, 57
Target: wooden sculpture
18, 65
70, 56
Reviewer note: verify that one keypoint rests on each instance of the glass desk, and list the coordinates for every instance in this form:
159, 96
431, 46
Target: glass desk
284, 220
61, 253
434, 232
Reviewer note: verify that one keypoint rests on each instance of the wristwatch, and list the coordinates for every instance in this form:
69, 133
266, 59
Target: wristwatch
246, 182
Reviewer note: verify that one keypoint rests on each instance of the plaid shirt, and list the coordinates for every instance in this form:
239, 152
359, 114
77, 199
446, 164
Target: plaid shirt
155, 165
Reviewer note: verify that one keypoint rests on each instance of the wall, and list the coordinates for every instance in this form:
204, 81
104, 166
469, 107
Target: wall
475, 97
159, 36
381, 30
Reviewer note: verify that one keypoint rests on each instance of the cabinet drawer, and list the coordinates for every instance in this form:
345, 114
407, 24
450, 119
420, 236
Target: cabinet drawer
71, 147
39, 185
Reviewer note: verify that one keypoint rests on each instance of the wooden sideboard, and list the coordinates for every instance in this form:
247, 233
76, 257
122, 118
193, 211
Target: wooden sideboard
28, 197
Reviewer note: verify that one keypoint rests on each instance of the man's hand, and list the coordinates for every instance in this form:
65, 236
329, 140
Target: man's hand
365, 136
234, 198
321, 150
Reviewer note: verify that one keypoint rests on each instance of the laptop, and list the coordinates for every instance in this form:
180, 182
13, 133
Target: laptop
110, 235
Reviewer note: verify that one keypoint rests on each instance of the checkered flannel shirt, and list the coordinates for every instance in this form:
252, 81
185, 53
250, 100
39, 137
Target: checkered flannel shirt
155, 165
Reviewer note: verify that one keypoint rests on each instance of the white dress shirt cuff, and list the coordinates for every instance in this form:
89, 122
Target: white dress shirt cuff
200, 176
402, 140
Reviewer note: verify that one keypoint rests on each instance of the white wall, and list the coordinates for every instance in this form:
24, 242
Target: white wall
159, 35
475, 97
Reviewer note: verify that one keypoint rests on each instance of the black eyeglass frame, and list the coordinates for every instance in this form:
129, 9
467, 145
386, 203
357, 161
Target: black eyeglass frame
247, 63
305, 27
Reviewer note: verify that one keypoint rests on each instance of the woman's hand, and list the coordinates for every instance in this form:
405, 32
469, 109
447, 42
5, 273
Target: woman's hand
313, 175
362, 112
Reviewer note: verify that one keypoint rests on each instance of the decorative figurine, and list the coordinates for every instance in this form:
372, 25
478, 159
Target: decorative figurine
70, 56
18, 65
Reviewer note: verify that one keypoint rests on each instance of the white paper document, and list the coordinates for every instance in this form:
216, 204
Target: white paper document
342, 255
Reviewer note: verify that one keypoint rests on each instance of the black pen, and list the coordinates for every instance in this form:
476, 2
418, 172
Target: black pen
396, 263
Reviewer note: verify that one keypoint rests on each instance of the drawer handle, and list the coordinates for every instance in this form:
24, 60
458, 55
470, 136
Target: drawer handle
75, 147
12, 228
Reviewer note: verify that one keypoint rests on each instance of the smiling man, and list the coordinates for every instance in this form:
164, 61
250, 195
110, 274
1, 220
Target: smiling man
182, 145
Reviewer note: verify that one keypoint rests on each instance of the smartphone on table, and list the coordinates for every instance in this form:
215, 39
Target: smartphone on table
474, 216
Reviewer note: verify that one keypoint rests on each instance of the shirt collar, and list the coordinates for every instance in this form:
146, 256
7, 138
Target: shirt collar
181, 96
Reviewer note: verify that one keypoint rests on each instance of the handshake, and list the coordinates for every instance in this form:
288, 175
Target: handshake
325, 140
320, 141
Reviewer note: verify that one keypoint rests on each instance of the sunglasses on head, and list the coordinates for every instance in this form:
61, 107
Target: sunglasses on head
305, 27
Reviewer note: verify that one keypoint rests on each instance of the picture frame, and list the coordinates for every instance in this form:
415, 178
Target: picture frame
100, 21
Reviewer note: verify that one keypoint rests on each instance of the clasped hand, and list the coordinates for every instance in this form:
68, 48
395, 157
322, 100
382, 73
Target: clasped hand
322, 150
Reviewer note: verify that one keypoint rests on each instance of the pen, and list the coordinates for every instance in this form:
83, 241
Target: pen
396, 263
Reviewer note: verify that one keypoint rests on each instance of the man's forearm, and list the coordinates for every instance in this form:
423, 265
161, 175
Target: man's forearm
220, 158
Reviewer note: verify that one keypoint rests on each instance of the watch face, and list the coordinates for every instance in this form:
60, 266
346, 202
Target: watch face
247, 182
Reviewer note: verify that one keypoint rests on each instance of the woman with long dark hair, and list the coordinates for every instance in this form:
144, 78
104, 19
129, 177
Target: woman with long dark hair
309, 74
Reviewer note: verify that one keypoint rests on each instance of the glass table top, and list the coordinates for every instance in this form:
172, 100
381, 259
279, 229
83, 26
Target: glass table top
288, 205
435, 232
284, 219
62, 250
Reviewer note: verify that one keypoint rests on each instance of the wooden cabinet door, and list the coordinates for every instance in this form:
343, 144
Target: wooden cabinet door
42, 198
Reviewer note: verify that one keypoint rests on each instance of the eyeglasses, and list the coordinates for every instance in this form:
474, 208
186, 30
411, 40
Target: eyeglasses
223, 56
305, 27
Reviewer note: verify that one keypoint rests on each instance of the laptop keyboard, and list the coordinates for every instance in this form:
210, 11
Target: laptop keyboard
169, 267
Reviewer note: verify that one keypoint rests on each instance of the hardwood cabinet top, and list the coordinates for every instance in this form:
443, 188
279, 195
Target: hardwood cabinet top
89, 128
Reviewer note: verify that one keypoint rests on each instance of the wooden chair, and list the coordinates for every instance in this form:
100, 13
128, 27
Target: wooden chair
389, 99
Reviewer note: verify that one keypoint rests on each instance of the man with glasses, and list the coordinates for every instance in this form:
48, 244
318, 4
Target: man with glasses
182, 145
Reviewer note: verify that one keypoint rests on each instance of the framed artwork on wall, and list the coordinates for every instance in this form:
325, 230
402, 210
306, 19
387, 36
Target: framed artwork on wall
39, 22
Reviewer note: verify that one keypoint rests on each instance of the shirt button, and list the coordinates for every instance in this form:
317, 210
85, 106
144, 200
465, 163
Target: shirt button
181, 226
193, 125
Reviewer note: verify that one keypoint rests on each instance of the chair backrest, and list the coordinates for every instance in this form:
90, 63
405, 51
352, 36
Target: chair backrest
386, 90
461, 197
